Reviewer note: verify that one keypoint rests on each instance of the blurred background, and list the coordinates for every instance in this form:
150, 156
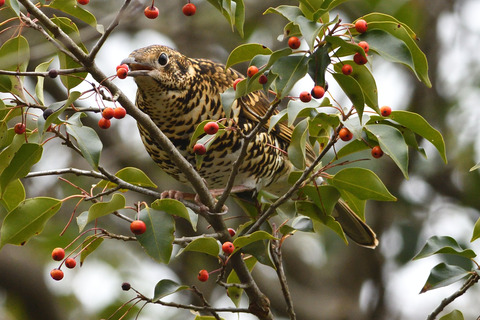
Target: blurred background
327, 279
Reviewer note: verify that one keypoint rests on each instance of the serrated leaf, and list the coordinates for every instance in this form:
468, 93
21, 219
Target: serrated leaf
446, 245
443, 275
392, 143
454, 315
296, 149
14, 194
136, 177
27, 220
20, 165
88, 142
166, 287
362, 183
235, 294
206, 245
157, 241
89, 245
246, 52
353, 90
101, 209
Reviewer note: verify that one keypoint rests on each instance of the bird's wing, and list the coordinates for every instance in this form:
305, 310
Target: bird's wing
255, 105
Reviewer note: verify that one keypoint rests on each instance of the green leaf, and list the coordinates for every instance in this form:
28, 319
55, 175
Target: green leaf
443, 275
318, 63
88, 142
15, 54
446, 245
289, 12
136, 177
454, 315
296, 149
353, 90
166, 287
309, 29
325, 197
357, 205
12, 196
243, 241
9, 152
392, 143
420, 126
476, 231
235, 294
27, 220
22, 162
233, 11
101, 209
90, 244
352, 147
345, 48
58, 108
246, 52
15, 6
289, 70
365, 79
206, 245
157, 241
362, 183
72, 8
42, 67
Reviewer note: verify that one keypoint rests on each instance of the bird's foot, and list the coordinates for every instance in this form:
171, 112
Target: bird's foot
177, 195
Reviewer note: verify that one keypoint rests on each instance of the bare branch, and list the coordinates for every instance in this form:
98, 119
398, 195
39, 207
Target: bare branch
41, 74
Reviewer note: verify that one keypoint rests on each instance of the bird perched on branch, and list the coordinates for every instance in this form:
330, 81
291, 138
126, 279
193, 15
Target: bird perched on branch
179, 92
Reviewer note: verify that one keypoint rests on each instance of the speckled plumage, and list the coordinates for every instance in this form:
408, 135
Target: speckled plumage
184, 92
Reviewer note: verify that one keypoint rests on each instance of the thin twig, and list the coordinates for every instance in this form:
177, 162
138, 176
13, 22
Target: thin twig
205, 302
41, 74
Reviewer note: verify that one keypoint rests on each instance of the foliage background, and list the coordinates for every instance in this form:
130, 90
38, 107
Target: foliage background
327, 279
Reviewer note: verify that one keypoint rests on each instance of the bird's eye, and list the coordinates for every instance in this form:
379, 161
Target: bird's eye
163, 59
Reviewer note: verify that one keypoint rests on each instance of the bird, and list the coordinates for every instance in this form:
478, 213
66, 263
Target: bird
178, 93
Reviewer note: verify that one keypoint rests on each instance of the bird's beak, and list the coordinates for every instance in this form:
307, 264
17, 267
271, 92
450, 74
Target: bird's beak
136, 68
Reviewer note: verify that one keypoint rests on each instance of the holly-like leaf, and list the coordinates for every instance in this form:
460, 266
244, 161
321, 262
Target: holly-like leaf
157, 241
166, 287
22, 162
296, 149
234, 293
392, 143
246, 52
88, 142
206, 245
443, 275
90, 244
101, 209
362, 183
136, 177
27, 220
446, 245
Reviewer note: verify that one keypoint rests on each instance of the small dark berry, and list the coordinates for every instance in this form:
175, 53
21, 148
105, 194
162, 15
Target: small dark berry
47, 113
263, 79
53, 73
231, 231
126, 286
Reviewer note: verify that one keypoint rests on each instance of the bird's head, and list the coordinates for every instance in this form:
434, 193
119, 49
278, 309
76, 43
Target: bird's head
160, 66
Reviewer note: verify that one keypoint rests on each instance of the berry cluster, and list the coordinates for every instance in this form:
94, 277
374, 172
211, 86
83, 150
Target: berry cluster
151, 12
109, 113
58, 254
227, 248
210, 128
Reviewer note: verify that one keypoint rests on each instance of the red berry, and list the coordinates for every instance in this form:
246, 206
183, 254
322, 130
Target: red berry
56, 274
347, 69
58, 254
119, 113
84, 2
199, 149
305, 96
235, 83
19, 128
138, 227
124, 66
294, 43
251, 71
189, 9
377, 152
107, 113
151, 12
345, 134
122, 73
70, 263
263, 79
211, 128
203, 275
385, 111
364, 45
231, 231
361, 26
359, 59
318, 92
2, 2
104, 123
228, 248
